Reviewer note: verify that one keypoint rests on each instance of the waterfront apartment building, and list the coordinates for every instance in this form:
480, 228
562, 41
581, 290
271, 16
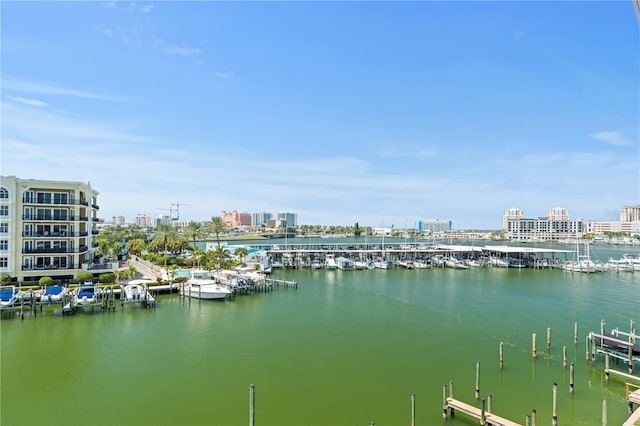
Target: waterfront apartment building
555, 227
261, 218
47, 228
629, 223
434, 225
235, 219
291, 219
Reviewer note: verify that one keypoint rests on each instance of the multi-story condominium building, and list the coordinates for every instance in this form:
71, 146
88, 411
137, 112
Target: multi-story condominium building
290, 218
261, 219
47, 228
118, 220
630, 214
556, 226
234, 219
143, 221
629, 223
434, 225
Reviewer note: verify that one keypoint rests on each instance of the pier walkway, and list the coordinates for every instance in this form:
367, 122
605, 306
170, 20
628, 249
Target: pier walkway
485, 417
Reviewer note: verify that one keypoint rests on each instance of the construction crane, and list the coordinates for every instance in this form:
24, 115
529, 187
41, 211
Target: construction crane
177, 210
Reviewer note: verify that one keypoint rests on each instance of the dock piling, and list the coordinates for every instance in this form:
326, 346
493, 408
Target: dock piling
501, 355
444, 402
575, 333
527, 420
554, 420
571, 378
534, 350
252, 405
478, 380
564, 356
534, 414
604, 411
548, 338
483, 415
413, 409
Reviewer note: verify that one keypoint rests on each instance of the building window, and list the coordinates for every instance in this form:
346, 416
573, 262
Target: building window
4, 211
4, 262
4, 194
4, 228
4, 245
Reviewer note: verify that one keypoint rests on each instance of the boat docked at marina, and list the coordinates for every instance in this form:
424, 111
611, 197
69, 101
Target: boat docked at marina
344, 263
201, 285
87, 294
330, 262
583, 262
53, 294
135, 291
381, 264
9, 296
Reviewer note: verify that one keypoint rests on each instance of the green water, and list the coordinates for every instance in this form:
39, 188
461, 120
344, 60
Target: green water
345, 348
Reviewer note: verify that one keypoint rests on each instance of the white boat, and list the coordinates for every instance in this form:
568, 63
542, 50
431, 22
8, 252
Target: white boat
498, 262
455, 263
87, 294
619, 265
517, 263
9, 296
53, 294
420, 264
406, 264
381, 264
201, 286
330, 262
472, 263
134, 292
634, 260
360, 264
317, 265
344, 263
583, 262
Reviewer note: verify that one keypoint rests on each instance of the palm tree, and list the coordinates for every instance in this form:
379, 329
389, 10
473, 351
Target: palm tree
165, 234
242, 252
194, 231
135, 246
217, 226
216, 258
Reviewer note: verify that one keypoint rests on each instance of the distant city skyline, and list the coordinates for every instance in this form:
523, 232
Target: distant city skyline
379, 113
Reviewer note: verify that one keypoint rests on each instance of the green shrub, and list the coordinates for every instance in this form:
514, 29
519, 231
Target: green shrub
5, 278
84, 276
107, 277
45, 281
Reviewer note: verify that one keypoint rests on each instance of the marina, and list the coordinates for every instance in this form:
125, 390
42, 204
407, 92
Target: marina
360, 341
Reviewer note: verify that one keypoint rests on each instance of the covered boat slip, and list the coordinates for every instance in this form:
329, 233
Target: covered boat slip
516, 256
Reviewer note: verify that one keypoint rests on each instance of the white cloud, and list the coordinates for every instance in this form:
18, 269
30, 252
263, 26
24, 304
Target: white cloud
224, 74
30, 102
611, 138
181, 50
39, 88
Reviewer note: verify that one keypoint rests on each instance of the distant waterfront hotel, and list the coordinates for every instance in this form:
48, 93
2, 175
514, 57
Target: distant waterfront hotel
558, 225
47, 228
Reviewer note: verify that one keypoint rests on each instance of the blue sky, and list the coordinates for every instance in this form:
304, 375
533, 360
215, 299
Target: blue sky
373, 112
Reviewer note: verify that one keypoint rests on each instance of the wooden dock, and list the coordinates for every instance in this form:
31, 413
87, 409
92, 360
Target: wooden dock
633, 397
454, 405
281, 283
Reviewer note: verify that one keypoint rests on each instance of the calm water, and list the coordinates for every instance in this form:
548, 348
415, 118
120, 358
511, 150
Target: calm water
345, 348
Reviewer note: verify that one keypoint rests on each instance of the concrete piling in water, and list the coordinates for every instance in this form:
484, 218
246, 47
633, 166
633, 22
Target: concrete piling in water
564, 356
489, 403
527, 420
586, 348
478, 380
534, 414
252, 405
483, 415
413, 409
604, 411
554, 419
548, 338
571, 378
534, 350
444, 402
606, 366
451, 410
575, 333
501, 355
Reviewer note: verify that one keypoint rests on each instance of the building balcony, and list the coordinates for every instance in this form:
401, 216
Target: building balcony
94, 232
68, 202
48, 250
95, 206
47, 267
48, 218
